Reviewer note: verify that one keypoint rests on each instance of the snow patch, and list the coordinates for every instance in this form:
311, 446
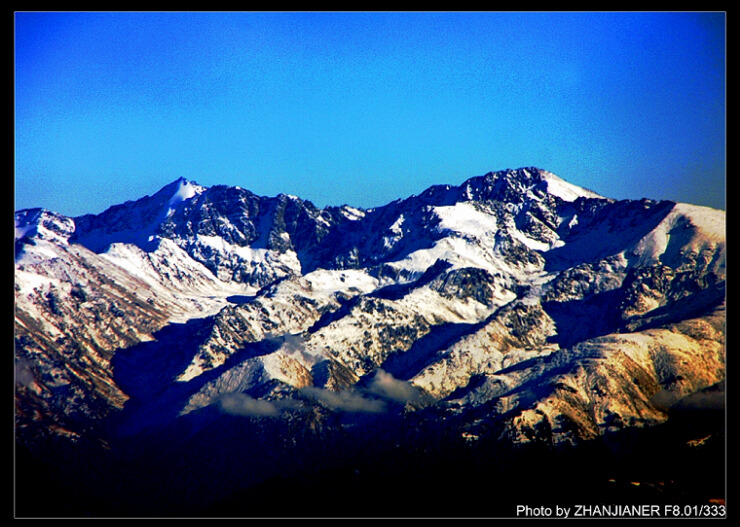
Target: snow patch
248, 253
687, 228
185, 191
352, 213
27, 281
710, 222
464, 218
565, 190
396, 233
329, 282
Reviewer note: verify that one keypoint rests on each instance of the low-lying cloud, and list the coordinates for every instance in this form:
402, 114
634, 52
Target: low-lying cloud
381, 393
23, 372
346, 400
712, 398
291, 345
385, 385
242, 404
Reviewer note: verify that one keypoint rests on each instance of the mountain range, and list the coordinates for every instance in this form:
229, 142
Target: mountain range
514, 339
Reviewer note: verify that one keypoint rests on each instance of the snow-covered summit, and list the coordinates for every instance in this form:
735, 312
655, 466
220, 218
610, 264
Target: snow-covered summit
43, 224
566, 191
137, 222
183, 190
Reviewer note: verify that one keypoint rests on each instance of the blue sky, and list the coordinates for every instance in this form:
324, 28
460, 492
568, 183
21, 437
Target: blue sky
362, 107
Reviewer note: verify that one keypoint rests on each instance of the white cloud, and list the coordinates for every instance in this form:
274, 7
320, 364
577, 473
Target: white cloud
345, 401
385, 385
382, 389
244, 405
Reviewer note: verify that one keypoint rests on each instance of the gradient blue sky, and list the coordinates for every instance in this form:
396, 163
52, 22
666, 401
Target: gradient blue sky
362, 107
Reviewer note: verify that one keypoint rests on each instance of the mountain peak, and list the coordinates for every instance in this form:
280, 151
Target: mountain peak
523, 184
184, 189
536, 178
565, 190
180, 190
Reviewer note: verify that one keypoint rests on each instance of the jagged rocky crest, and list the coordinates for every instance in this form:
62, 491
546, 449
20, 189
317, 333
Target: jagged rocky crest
514, 309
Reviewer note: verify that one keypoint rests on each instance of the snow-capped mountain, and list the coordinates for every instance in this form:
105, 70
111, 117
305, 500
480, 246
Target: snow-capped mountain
514, 309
